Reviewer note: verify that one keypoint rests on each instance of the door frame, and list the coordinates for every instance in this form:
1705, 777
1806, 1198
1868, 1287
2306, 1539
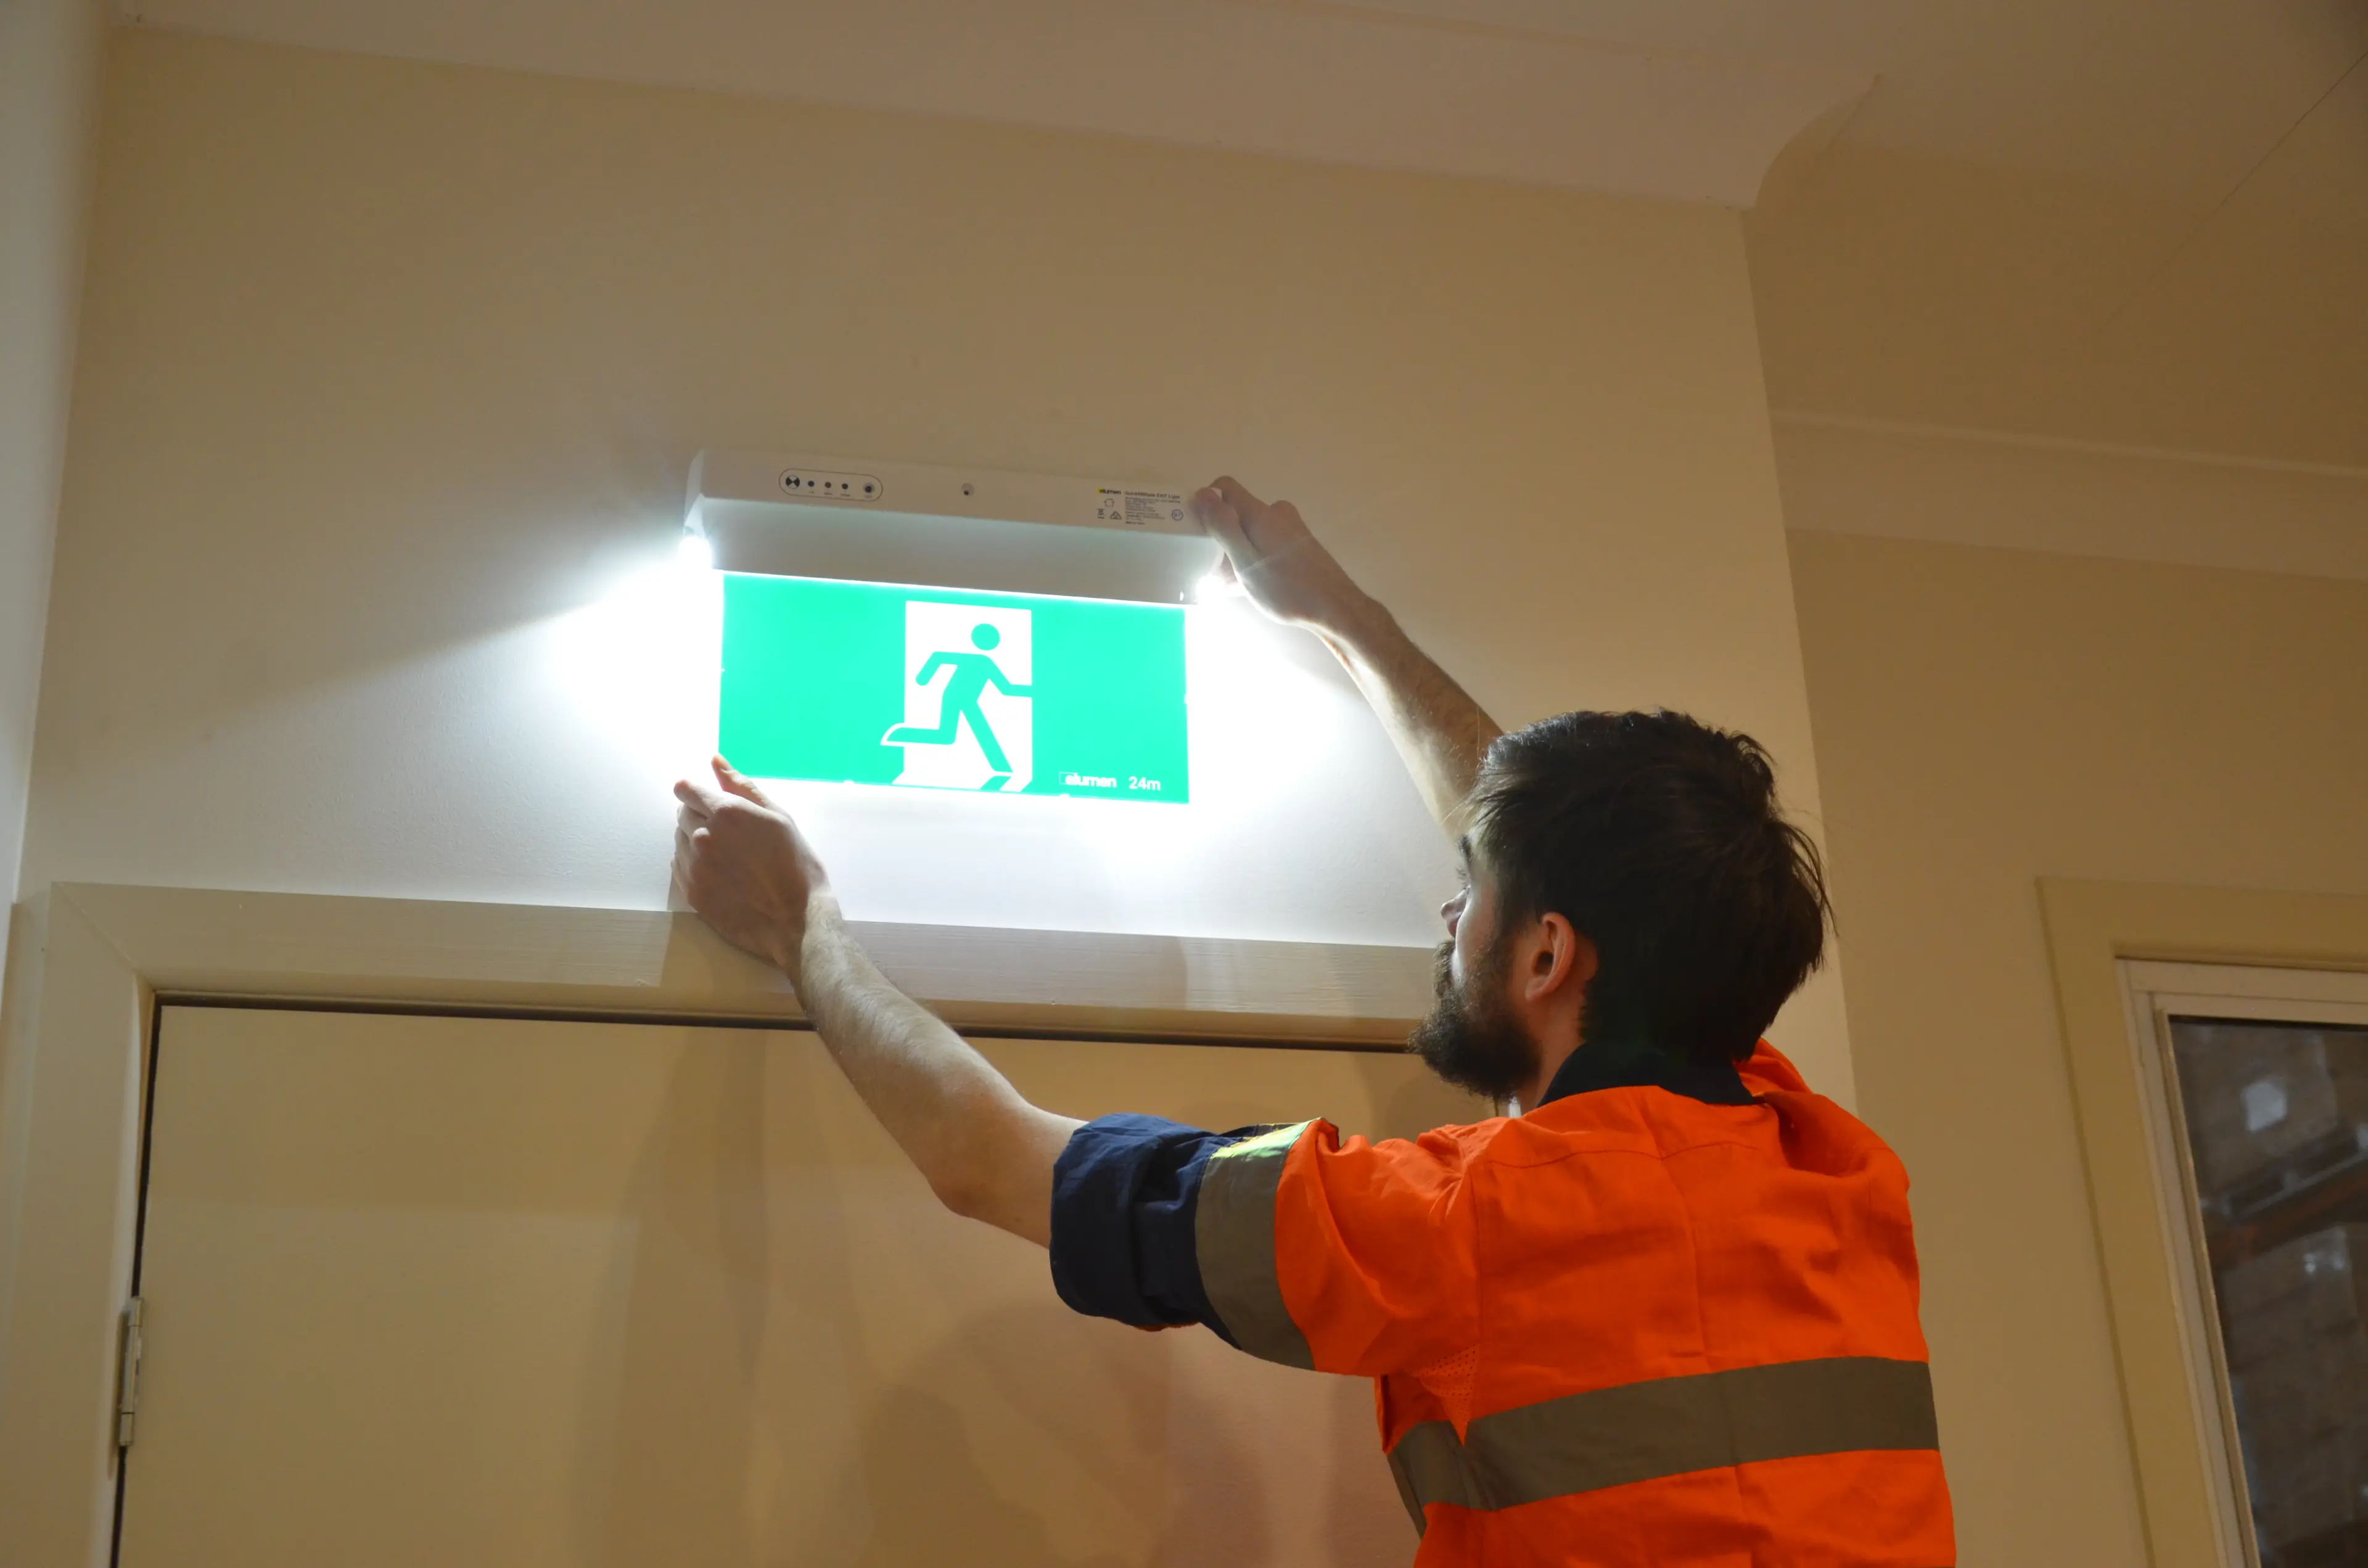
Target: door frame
89, 965
2094, 930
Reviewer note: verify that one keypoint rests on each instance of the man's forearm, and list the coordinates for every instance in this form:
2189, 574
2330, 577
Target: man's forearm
987, 1153
1441, 733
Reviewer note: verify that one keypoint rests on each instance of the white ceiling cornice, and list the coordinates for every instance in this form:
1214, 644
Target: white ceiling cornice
1896, 479
1327, 84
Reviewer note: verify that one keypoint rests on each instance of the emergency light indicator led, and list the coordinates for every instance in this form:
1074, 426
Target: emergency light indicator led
872, 683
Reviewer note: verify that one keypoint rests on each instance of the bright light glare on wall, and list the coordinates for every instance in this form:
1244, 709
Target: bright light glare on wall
1279, 744
695, 553
640, 665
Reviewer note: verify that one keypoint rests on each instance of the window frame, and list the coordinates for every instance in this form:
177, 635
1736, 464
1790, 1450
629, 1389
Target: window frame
2177, 1441
2156, 993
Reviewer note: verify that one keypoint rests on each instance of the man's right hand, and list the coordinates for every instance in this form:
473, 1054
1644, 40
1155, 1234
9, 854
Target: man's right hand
1278, 562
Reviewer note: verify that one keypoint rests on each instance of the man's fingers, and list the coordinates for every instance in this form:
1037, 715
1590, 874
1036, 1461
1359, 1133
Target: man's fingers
1236, 494
697, 799
689, 841
738, 783
1218, 516
1264, 528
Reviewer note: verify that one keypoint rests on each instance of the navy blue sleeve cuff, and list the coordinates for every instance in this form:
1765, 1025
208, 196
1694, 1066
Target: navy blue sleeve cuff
1125, 1195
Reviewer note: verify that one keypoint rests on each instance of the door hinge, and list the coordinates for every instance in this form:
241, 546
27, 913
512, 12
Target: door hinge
127, 1400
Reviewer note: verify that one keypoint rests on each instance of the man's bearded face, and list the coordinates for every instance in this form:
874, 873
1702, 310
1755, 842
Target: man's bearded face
1471, 1038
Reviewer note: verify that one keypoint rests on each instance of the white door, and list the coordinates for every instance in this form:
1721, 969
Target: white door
494, 1291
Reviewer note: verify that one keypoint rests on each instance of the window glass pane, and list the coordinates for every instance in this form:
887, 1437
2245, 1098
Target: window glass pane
2277, 1128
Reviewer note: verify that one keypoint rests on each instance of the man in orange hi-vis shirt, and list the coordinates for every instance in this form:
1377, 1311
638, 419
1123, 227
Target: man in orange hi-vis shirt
1662, 1312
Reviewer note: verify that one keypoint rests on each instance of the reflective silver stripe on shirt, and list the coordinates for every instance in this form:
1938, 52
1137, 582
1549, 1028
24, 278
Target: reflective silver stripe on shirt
1582, 1442
1233, 1233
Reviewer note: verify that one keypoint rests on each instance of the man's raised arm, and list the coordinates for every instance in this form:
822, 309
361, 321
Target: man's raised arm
986, 1151
989, 1154
1439, 730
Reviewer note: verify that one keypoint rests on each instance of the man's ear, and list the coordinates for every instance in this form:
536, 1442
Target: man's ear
1562, 961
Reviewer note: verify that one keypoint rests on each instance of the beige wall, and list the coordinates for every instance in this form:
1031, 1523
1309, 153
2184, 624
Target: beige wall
388, 364
49, 52
1984, 717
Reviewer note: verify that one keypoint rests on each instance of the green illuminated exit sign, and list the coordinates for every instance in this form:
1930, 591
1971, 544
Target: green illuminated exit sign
1012, 693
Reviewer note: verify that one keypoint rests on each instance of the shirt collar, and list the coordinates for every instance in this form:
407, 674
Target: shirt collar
1631, 1063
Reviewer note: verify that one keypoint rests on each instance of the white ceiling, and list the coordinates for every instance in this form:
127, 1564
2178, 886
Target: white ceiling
2132, 220
1670, 97
1334, 83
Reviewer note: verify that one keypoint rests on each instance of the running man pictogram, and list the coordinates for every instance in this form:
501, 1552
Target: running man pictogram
960, 702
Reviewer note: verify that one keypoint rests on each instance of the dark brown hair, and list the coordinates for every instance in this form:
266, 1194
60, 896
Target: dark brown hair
1660, 839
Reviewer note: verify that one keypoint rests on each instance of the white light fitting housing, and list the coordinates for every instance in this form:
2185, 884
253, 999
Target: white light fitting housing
801, 516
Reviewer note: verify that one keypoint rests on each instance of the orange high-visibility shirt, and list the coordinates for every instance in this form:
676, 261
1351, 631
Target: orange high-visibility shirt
1669, 1317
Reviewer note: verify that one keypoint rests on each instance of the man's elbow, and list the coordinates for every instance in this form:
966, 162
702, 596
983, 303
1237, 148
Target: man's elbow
991, 1196
996, 1165
967, 1179
964, 1189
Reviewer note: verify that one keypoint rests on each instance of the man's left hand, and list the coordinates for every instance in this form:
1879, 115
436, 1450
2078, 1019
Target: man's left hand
746, 867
